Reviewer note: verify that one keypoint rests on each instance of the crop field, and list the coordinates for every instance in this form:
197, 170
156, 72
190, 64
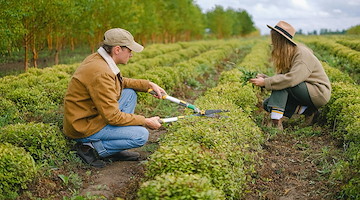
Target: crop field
195, 157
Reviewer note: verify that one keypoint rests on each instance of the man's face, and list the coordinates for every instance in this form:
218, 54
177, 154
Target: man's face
124, 55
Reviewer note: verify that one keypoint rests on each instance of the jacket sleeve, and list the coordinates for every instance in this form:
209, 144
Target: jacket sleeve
103, 93
298, 73
136, 84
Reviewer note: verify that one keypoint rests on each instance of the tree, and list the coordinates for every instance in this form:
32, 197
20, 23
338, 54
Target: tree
11, 28
355, 30
220, 22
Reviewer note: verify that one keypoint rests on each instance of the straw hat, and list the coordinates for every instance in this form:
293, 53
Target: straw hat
284, 29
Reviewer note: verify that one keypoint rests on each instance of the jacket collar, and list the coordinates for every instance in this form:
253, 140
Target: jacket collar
109, 60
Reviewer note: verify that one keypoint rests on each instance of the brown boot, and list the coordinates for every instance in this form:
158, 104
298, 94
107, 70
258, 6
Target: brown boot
277, 124
311, 118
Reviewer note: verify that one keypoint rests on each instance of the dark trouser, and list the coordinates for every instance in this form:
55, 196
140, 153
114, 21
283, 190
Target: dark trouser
288, 99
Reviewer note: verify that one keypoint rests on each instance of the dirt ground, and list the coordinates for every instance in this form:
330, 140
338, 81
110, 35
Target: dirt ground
294, 167
121, 179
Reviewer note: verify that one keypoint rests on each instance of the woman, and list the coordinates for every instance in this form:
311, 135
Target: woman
300, 85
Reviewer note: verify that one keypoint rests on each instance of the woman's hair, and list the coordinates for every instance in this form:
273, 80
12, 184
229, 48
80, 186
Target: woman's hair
282, 53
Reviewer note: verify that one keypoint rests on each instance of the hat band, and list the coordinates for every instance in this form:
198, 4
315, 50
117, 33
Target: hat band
285, 32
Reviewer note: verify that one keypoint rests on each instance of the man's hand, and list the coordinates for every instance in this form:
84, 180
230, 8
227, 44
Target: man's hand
159, 91
152, 123
258, 81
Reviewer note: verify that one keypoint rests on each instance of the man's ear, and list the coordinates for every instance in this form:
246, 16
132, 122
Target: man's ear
116, 50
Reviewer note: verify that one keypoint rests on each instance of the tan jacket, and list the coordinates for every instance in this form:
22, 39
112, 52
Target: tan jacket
305, 68
91, 100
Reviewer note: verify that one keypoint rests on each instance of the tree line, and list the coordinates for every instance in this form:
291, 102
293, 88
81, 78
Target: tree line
31, 26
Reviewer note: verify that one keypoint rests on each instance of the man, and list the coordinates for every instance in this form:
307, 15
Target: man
99, 103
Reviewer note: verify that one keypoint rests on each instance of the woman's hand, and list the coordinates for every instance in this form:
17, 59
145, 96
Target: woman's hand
258, 81
261, 75
159, 91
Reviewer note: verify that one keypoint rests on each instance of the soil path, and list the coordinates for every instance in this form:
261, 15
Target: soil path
293, 168
121, 179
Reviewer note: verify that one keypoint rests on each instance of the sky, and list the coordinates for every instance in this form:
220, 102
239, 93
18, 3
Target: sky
307, 15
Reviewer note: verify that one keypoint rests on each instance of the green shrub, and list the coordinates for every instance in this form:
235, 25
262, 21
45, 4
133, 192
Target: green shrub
335, 75
33, 104
339, 90
230, 76
242, 96
347, 171
132, 70
44, 142
348, 120
226, 144
165, 77
189, 157
17, 168
179, 186
8, 112
151, 77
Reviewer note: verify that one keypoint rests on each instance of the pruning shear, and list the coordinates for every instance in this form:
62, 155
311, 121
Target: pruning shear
197, 111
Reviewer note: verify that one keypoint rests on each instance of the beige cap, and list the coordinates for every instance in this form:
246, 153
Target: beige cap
121, 37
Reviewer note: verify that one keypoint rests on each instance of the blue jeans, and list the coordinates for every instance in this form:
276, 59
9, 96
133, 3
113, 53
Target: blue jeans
113, 139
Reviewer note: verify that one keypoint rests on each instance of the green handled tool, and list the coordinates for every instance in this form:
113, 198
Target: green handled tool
205, 113
178, 101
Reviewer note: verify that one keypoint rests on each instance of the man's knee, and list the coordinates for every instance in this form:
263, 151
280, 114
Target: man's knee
141, 138
129, 92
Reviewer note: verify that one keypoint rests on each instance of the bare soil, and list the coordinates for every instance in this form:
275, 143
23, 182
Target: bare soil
120, 179
294, 167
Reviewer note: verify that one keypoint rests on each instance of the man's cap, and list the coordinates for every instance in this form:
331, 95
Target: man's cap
285, 29
121, 37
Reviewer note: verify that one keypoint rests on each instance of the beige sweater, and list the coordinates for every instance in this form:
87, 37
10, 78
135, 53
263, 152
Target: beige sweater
91, 100
305, 68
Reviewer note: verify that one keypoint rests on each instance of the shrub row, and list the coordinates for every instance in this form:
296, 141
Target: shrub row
17, 168
24, 145
183, 72
343, 118
30, 102
338, 50
353, 43
220, 150
165, 59
154, 50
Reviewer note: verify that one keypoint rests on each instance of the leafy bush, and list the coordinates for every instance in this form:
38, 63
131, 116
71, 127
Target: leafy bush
44, 142
32, 104
230, 76
220, 149
339, 90
348, 172
354, 30
335, 75
242, 96
189, 157
348, 120
179, 186
17, 168
8, 112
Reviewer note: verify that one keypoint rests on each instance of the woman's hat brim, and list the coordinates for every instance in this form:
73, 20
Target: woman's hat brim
287, 37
